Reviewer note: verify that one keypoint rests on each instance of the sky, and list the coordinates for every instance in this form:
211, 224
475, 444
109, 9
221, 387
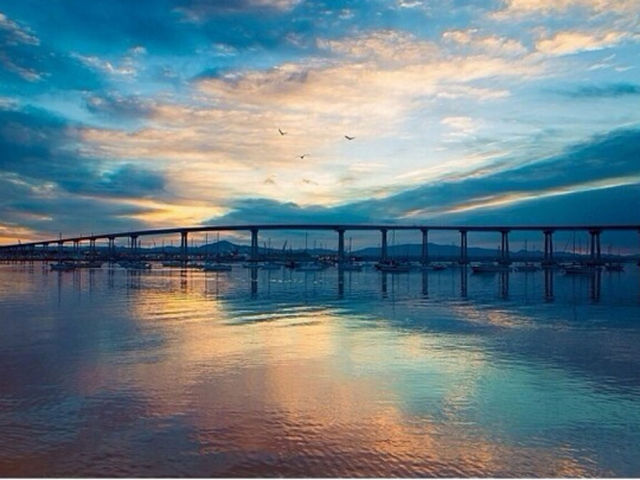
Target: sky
122, 115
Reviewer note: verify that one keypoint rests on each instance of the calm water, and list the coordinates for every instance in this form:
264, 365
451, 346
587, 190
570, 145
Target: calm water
120, 373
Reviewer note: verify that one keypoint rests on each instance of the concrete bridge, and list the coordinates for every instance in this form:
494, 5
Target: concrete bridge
133, 237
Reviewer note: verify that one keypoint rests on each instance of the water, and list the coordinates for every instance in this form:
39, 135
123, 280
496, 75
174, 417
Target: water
169, 373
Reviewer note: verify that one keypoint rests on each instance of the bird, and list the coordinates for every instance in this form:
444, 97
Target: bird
348, 137
281, 132
301, 157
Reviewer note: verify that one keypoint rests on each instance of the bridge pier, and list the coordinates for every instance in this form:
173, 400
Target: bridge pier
463, 280
548, 248
133, 239
340, 246
92, 247
184, 254
548, 284
254, 245
595, 251
383, 249
504, 248
76, 248
464, 259
425, 246
112, 248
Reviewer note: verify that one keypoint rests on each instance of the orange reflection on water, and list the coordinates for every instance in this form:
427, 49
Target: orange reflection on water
300, 392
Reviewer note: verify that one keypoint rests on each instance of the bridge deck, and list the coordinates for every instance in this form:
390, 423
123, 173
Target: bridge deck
333, 226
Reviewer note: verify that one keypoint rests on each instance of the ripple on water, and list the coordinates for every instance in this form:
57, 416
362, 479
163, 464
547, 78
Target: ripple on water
164, 374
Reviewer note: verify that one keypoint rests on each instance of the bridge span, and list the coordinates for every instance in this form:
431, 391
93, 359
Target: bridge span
133, 237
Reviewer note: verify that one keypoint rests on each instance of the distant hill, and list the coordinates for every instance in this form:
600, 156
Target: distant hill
409, 250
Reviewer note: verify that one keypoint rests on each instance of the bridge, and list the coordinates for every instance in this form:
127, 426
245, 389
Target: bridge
133, 237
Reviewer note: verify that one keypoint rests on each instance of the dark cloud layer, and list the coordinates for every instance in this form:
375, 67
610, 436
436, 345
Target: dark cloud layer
46, 184
35, 145
606, 157
603, 91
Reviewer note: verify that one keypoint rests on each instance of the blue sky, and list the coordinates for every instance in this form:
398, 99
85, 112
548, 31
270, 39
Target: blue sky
118, 115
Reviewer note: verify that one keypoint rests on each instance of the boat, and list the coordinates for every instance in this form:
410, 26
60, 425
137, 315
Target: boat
578, 269
527, 267
172, 263
270, 266
138, 265
438, 266
393, 267
89, 264
614, 267
351, 267
210, 266
310, 267
216, 267
489, 267
63, 266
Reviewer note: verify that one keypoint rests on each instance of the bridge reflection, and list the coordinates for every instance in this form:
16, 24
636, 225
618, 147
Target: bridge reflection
463, 273
348, 284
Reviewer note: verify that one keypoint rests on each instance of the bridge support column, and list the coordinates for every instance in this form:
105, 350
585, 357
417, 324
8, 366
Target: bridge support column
254, 245
184, 255
595, 250
112, 248
504, 248
463, 248
92, 247
76, 247
548, 284
134, 246
383, 249
548, 247
425, 246
340, 246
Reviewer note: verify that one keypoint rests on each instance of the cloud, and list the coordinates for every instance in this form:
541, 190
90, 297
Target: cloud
603, 163
602, 91
568, 42
114, 105
125, 66
11, 33
24, 57
383, 45
489, 43
464, 124
37, 145
199, 10
547, 7
31, 210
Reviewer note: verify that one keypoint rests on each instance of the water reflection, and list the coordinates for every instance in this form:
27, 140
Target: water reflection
504, 284
169, 372
463, 280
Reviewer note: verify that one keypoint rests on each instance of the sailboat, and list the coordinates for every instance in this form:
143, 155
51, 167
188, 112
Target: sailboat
210, 266
612, 266
350, 265
576, 267
526, 266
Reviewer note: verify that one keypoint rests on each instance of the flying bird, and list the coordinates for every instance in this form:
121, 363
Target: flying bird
348, 137
281, 132
301, 157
